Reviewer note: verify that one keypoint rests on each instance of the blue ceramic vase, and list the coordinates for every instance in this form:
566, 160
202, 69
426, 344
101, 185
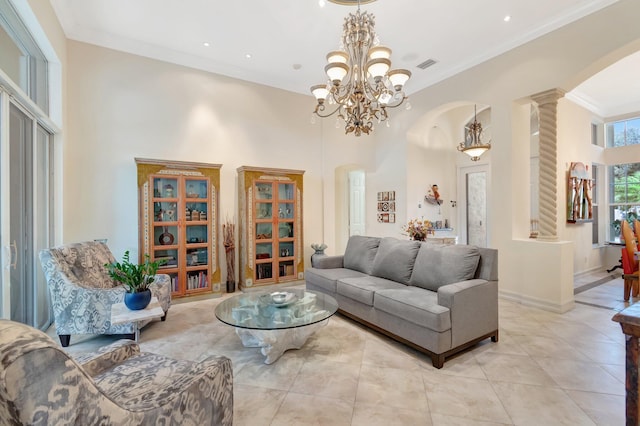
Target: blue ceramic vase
137, 301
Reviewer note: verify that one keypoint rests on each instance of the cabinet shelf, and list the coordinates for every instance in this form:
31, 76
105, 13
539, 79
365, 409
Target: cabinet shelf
169, 193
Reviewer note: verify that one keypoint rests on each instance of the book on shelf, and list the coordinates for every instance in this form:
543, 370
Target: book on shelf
199, 280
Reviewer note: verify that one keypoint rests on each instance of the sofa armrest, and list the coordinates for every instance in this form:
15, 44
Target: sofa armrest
474, 308
328, 262
95, 363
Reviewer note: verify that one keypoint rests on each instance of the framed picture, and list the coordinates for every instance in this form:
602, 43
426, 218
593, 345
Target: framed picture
386, 207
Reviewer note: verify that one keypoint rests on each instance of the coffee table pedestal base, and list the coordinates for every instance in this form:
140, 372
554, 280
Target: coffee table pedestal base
275, 342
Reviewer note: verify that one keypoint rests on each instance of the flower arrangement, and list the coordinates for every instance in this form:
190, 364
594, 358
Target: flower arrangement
418, 229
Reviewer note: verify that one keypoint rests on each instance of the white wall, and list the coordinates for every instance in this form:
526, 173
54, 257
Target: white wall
561, 59
121, 106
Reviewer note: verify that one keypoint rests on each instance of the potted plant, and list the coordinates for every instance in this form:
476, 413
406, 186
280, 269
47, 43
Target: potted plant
136, 278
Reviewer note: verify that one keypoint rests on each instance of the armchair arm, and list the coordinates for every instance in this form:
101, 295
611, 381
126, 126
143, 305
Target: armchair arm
474, 308
198, 392
80, 310
95, 363
161, 288
328, 262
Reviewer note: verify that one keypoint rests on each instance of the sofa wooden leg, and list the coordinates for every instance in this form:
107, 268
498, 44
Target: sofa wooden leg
437, 360
131, 336
64, 339
494, 338
164, 317
627, 289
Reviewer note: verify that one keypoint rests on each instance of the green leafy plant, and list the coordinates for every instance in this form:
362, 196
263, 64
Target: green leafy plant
135, 277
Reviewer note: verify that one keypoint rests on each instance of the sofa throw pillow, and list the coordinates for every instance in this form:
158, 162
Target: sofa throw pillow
394, 260
438, 265
360, 253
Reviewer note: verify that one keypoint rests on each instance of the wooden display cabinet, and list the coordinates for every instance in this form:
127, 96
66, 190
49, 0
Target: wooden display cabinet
178, 208
271, 247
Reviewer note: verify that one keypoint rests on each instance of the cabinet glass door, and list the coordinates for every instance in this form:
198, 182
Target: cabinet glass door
264, 235
165, 187
285, 191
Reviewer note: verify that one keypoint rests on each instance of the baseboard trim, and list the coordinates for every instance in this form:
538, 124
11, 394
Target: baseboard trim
537, 303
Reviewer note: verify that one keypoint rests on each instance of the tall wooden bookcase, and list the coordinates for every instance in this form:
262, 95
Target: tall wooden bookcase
270, 226
178, 222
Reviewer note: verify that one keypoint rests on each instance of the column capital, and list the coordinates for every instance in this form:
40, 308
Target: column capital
548, 96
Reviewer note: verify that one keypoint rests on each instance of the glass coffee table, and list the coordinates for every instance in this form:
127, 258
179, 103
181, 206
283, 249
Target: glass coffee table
276, 321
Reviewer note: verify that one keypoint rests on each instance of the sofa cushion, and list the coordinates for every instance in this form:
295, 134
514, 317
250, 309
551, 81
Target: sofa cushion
395, 259
415, 305
326, 278
438, 265
362, 289
360, 253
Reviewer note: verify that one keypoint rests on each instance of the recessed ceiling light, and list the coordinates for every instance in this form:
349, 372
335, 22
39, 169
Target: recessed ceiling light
206, 44
297, 66
507, 18
321, 3
248, 56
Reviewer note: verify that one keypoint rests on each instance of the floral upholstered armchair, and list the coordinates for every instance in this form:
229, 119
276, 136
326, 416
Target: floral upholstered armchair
82, 291
41, 384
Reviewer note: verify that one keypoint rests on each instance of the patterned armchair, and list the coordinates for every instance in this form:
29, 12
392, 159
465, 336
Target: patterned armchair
41, 384
82, 291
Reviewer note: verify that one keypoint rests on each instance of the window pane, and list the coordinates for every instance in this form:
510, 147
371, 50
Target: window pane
11, 58
633, 131
623, 133
618, 134
624, 191
31, 67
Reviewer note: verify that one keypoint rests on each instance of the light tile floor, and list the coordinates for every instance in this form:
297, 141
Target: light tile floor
547, 369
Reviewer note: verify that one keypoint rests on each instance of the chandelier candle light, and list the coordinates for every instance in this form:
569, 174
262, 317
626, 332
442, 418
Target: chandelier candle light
361, 83
473, 146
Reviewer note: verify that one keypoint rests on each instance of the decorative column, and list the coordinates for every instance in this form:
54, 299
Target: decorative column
548, 198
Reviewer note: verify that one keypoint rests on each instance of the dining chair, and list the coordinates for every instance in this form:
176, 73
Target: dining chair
629, 262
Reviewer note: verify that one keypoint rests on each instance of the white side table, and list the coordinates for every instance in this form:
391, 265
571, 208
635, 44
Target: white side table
120, 314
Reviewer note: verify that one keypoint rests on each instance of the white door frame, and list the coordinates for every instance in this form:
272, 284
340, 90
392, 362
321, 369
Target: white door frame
360, 228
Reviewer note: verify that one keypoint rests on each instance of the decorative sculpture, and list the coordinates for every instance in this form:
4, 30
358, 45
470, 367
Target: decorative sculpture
229, 238
433, 196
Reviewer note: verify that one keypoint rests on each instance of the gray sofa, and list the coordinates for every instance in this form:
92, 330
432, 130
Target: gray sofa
440, 299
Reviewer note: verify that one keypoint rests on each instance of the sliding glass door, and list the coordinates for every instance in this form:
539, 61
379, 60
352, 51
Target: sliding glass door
29, 217
30, 69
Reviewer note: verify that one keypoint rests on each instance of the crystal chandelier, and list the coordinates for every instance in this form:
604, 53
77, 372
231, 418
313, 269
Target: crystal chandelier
361, 83
472, 146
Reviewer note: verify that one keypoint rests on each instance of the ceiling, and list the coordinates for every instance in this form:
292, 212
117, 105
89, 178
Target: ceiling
287, 40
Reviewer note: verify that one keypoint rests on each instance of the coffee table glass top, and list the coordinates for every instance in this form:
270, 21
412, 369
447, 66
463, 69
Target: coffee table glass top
270, 311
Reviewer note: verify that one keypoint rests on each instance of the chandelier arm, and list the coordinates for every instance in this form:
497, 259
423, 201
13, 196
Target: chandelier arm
396, 105
319, 111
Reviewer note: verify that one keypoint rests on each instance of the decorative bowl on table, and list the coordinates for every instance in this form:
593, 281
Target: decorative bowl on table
282, 297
